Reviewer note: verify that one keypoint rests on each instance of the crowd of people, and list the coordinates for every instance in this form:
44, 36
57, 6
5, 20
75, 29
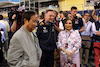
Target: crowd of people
26, 41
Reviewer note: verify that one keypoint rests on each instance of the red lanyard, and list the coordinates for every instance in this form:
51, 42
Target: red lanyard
66, 46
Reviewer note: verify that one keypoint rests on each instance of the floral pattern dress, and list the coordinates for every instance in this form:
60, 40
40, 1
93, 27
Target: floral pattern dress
70, 41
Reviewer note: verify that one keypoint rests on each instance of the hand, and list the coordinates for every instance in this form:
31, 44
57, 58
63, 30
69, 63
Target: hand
78, 30
69, 54
69, 58
98, 33
55, 51
13, 17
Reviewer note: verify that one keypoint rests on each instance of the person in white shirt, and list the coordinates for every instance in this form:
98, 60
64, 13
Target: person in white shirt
96, 37
86, 36
7, 27
63, 16
69, 43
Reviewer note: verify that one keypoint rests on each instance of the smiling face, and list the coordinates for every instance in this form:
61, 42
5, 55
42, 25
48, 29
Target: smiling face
32, 23
68, 25
49, 16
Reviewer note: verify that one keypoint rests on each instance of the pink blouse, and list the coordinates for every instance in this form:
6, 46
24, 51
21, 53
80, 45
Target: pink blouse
69, 40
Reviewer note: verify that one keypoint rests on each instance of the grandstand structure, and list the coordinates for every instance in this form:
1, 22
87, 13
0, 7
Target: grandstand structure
5, 4
37, 5
41, 5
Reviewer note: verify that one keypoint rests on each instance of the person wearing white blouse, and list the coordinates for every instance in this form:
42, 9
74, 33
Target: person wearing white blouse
69, 42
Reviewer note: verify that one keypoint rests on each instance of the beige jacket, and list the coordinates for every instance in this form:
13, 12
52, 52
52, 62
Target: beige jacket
22, 51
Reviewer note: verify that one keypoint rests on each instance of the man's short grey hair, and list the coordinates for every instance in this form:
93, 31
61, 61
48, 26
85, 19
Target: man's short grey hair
48, 11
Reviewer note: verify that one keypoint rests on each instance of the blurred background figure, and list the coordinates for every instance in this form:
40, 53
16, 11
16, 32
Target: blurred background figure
64, 15
41, 17
86, 35
1, 52
6, 34
77, 21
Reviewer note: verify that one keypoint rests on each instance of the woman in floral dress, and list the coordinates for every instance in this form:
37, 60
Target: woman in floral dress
69, 42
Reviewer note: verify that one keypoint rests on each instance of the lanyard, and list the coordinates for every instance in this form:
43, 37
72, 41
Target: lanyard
68, 35
36, 46
66, 46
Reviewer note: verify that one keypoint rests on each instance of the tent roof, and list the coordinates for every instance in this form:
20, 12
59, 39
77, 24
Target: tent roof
4, 4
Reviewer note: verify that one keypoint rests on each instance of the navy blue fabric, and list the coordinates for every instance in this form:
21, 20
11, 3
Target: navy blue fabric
80, 23
43, 37
97, 24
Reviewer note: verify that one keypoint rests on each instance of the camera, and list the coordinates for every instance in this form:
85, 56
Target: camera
97, 5
18, 15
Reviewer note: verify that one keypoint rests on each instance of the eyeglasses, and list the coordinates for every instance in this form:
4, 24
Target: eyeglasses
87, 15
